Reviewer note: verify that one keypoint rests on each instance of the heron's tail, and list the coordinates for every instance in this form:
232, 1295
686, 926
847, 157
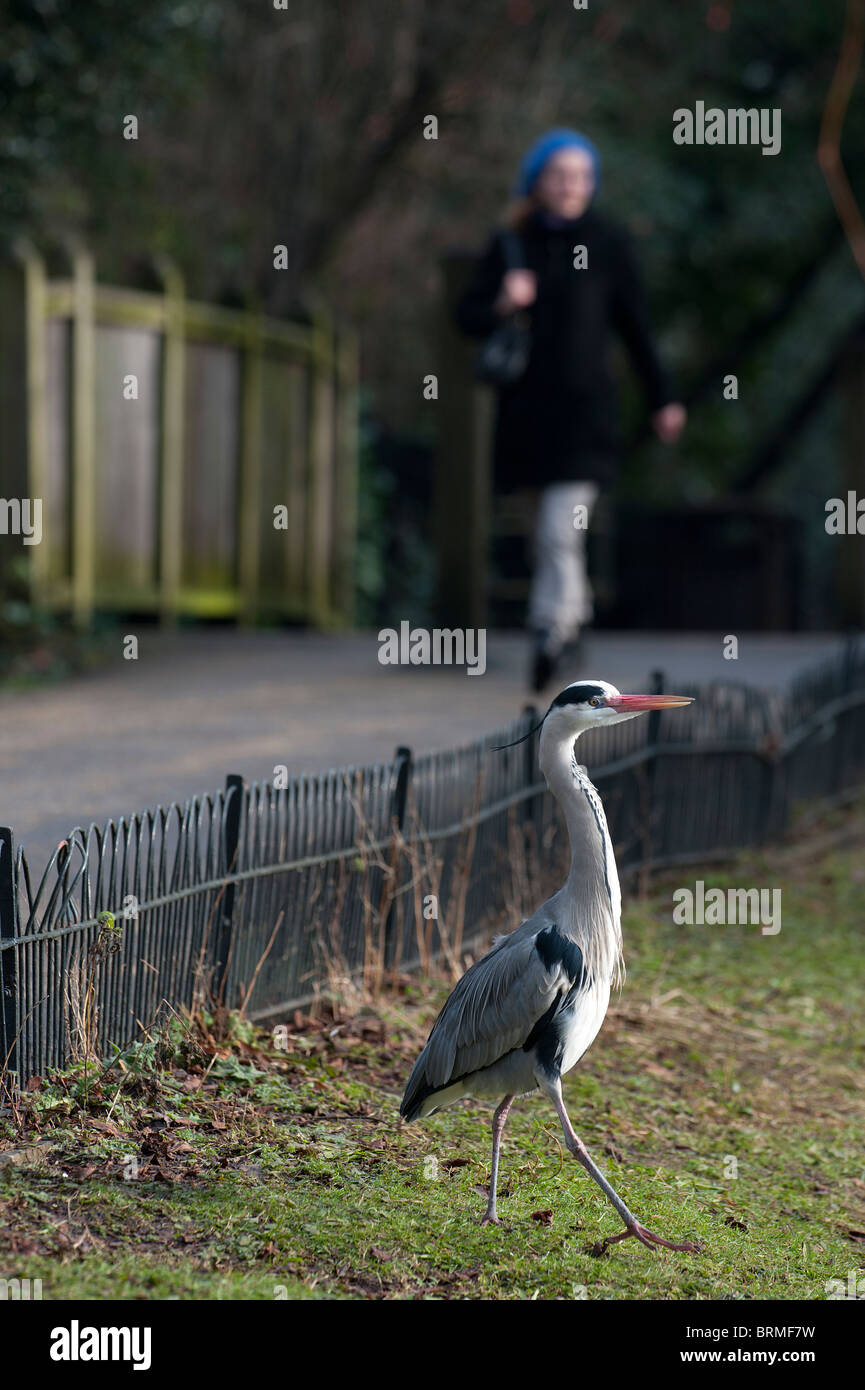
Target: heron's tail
411, 1112
416, 1091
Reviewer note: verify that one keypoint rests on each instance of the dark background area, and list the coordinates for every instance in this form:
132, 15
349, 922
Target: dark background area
303, 126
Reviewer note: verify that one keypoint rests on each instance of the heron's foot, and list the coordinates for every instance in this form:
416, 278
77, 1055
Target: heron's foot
647, 1238
489, 1218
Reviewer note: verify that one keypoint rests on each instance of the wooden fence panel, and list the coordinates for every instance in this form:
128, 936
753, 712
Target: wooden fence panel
210, 493
56, 544
298, 465
165, 503
127, 460
282, 484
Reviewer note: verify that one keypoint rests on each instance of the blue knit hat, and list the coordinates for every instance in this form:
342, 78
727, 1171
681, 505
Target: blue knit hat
544, 148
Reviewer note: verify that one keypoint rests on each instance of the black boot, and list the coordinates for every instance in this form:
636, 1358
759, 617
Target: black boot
545, 661
575, 655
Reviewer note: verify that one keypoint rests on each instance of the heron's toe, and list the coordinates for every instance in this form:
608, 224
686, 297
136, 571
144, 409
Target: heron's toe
650, 1238
645, 1237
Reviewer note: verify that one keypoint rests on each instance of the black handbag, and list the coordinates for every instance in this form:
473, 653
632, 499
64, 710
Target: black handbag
504, 355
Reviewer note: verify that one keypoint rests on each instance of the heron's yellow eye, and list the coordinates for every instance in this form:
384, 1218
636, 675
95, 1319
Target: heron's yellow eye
595, 700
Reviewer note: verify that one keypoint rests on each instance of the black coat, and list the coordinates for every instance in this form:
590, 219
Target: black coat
559, 421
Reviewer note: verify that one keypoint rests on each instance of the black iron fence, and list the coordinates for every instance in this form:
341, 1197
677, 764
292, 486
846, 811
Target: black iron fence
265, 896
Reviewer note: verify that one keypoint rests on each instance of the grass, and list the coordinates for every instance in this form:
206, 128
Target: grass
205, 1167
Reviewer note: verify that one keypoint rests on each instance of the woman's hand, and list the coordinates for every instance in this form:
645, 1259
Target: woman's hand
519, 290
669, 421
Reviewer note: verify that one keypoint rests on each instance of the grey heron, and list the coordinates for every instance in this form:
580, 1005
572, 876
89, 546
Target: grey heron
526, 1012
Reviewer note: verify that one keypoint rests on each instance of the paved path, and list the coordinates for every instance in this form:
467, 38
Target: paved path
200, 703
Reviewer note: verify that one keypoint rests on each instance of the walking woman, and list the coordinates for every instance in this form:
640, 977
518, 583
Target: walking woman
568, 274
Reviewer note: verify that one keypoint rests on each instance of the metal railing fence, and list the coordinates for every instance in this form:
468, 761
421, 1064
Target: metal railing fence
267, 896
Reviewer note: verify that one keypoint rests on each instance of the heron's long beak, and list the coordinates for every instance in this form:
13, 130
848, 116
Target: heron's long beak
635, 704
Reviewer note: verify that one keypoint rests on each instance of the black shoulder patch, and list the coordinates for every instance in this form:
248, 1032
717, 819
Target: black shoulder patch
548, 1035
578, 694
554, 948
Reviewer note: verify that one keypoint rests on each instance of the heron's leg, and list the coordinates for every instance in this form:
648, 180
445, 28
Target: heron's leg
576, 1146
490, 1217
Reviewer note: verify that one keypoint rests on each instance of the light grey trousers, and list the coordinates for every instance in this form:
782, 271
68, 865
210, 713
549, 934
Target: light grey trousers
560, 600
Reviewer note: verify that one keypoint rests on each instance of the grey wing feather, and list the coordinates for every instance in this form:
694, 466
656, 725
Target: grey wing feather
491, 1011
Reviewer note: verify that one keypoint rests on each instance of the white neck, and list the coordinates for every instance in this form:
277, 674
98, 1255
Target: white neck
591, 897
